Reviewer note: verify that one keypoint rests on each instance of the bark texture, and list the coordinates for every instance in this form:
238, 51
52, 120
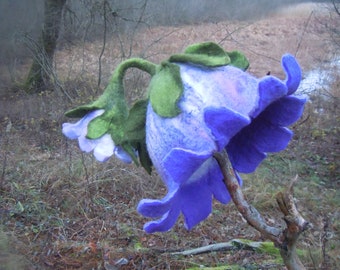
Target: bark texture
42, 66
285, 239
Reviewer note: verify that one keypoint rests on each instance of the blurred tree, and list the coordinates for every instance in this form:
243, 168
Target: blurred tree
40, 71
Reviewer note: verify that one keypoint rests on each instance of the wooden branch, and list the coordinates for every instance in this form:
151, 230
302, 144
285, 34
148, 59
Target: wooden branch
206, 249
296, 224
249, 213
285, 239
235, 244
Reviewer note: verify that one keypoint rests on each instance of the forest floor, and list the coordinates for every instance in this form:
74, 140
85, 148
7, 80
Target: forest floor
60, 209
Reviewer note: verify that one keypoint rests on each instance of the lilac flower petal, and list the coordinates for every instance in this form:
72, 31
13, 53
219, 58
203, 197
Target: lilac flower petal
270, 89
226, 86
153, 208
224, 124
157, 208
104, 148
86, 145
216, 184
165, 223
219, 188
180, 164
285, 111
267, 137
75, 130
71, 131
293, 73
122, 154
196, 200
243, 155
239, 178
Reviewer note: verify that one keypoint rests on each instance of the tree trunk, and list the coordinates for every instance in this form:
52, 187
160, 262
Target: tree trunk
42, 66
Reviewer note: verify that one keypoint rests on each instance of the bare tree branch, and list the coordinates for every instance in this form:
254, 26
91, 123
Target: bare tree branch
235, 244
336, 8
252, 216
286, 239
105, 4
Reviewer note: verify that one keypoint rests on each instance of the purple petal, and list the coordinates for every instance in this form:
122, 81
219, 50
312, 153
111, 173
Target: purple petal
86, 145
270, 89
293, 73
72, 131
122, 154
193, 198
267, 137
216, 184
239, 179
225, 86
154, 208
243, 155
75, 130
180, 164
219, 188
165, 223
196, 200
104, 148
285, 111
157, 208
224, 124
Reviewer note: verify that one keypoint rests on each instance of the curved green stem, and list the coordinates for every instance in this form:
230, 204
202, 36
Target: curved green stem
113, 99
139, 63
113, 95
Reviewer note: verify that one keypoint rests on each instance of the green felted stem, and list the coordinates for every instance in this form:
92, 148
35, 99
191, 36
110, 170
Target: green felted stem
114, 103
115, 90
126, 127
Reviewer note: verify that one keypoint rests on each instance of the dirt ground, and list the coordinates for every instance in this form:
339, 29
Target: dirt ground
60, 209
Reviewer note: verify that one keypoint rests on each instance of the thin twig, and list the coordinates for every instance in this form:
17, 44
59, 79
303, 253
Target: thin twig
103, 47
303, 33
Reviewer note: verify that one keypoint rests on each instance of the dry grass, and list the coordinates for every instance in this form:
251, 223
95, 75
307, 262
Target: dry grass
60, 209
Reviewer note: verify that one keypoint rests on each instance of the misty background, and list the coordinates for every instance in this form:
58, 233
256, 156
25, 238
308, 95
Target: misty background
84, 19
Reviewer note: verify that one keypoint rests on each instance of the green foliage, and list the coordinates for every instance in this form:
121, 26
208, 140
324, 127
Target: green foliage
165, 90
134, 133
206, 54
210, 54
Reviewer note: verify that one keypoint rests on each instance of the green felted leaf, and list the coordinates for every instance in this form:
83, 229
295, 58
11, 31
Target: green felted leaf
134, 133
134, 129
165, 90
81, 111
130, 149
237, 59
208, 48
113, 95
97, 127
113, 119
144, 157
207, 54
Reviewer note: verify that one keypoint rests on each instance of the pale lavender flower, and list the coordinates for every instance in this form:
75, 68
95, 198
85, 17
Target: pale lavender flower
103, 148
